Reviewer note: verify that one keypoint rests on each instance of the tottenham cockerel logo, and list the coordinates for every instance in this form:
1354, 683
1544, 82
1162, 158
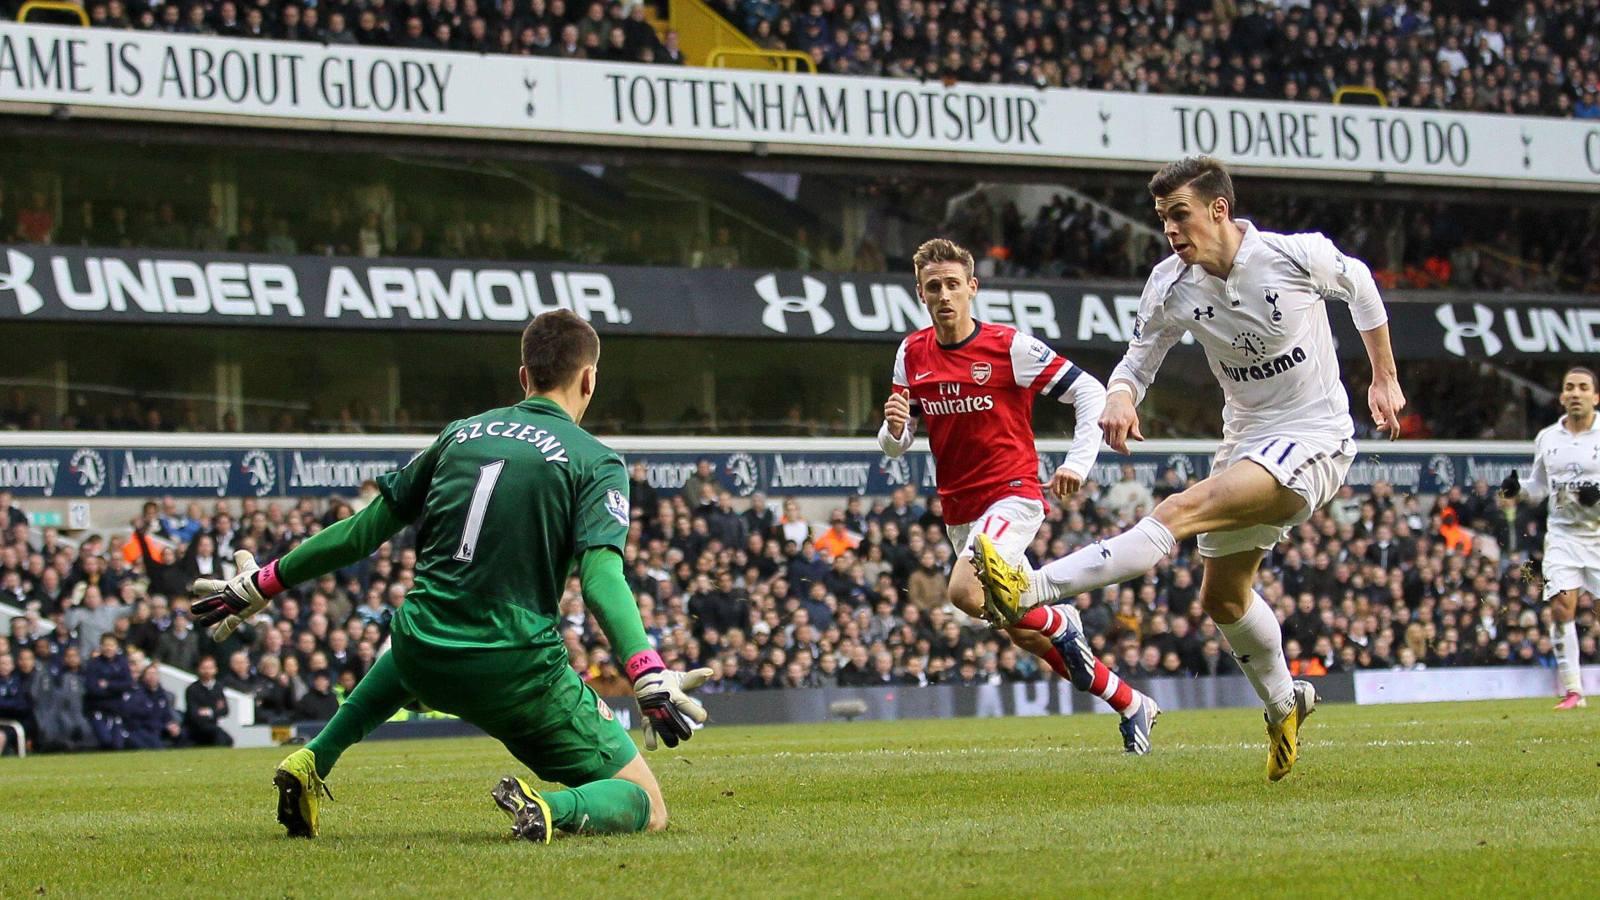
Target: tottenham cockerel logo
781, 306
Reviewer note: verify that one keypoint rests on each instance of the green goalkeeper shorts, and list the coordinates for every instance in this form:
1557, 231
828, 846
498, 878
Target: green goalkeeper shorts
544, 714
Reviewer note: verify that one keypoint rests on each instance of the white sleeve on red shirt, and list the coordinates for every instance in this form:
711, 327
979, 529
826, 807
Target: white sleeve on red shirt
891, 445
1154, 332
1088, 398
1037, 367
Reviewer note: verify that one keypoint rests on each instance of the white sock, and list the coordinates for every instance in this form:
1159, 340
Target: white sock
1129, 554
1565, 636
1257, 644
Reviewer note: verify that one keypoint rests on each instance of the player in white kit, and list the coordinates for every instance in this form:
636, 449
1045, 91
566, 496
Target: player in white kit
1566, 468
1254, 300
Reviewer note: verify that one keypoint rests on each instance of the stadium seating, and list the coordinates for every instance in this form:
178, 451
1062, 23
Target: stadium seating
1378, 582
1515, 58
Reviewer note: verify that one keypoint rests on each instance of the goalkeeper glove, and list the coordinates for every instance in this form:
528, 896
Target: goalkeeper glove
669, 713
1512, 486
1589, 494
225, 605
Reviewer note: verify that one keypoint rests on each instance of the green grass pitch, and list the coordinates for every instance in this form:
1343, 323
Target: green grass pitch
1481, 799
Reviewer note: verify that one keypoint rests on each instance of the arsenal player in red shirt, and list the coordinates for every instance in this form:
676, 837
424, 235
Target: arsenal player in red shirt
973, 385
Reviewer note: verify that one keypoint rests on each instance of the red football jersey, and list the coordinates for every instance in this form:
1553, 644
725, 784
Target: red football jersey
976, 398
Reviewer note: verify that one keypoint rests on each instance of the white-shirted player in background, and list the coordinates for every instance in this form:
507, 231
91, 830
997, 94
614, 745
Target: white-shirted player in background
1566, 468
973, 384
1255, 302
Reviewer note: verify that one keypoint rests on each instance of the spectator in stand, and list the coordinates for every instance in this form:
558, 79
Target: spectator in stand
15, 703
1128, 498
205, 706
107, 679
36, 222
318, 704
179, 646
57, 695
837, 540
148, 717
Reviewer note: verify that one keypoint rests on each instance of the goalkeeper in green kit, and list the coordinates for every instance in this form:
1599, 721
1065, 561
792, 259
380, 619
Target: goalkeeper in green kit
505, 503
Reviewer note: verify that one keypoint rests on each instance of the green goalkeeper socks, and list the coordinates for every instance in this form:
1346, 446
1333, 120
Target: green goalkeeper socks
608, 806
378, 697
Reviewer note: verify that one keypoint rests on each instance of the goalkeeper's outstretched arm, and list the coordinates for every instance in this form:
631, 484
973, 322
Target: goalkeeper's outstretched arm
670, 714
225, 605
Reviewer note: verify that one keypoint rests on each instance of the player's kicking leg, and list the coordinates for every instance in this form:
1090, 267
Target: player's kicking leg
1067, 653
300, 777
1234, 498
1564, 633
1239, 496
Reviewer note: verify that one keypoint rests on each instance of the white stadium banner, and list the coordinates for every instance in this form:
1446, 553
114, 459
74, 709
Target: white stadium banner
73, 71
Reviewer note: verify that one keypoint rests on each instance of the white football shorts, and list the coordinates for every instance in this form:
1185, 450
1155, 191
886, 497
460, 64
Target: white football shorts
1312, 467
1570, 564
1011, 523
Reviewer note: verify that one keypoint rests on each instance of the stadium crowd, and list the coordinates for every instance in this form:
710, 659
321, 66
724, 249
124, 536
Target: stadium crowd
1536, 57
1527, 58
765, 598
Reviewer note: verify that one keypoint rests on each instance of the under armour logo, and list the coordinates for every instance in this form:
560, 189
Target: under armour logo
1456, 331
1273, 299
1244, 660
1206, 313
1105, 552
16, 281
779, 306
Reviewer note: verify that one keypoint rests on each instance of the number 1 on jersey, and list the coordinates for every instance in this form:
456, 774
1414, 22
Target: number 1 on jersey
487, 476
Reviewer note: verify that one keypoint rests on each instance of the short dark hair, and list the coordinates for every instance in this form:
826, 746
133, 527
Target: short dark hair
1206, 175
1582, 370
555, 346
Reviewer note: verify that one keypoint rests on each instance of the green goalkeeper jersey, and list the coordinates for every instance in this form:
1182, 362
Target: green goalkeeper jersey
504, 502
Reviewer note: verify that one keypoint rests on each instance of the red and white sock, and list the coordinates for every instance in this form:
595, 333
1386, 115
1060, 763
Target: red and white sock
1105, 684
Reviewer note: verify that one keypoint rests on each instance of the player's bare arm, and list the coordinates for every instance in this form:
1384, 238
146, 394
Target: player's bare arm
1384, 397
1120, 420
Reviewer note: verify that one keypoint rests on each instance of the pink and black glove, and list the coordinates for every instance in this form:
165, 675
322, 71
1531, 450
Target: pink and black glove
225, 605
670, 714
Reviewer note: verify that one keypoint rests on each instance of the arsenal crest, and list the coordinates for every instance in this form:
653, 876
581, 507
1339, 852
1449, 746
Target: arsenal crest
981, 372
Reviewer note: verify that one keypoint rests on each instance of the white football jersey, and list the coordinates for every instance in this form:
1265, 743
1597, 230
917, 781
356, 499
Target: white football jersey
1264, 330
1562, 463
